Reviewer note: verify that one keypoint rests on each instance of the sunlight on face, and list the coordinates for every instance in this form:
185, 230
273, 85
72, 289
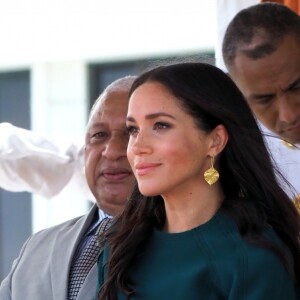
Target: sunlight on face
166, 151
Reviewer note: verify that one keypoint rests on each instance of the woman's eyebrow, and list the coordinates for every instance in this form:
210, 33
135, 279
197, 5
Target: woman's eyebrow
152, 116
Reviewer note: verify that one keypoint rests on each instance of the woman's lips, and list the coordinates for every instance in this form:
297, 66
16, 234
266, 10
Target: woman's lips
145, 168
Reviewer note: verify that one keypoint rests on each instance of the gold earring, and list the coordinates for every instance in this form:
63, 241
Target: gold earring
211, 175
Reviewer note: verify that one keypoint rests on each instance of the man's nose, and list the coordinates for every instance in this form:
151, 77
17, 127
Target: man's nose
287, 109
115, 148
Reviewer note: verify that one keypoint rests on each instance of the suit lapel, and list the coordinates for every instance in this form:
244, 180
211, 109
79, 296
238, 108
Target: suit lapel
65, 246
88, 289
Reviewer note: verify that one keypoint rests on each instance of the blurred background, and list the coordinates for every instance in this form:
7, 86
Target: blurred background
57, 56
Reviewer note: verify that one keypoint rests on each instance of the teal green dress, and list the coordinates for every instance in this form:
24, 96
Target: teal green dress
209, 262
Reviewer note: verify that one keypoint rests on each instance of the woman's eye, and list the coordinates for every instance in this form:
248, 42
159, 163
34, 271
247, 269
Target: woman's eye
161, 125
132, 130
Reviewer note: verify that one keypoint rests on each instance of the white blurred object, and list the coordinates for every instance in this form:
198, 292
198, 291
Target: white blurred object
30, 162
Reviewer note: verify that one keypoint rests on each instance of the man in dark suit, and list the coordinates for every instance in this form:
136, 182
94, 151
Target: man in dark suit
46, 266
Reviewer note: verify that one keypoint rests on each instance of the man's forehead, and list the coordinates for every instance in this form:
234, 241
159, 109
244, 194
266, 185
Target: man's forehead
111, 98
114, 93
116, 98
111, 108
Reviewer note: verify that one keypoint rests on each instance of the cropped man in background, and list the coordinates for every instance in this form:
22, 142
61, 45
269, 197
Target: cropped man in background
49, 265
261, 50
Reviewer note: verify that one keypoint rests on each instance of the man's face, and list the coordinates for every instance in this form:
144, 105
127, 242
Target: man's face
108, 172
271, 86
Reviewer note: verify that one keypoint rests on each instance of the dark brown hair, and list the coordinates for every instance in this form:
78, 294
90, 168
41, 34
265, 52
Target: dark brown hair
253, 197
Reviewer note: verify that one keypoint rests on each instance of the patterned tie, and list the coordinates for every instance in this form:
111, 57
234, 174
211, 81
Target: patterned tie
81, 267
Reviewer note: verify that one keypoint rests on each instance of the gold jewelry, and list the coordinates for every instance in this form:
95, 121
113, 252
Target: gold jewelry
211, 175
297, 203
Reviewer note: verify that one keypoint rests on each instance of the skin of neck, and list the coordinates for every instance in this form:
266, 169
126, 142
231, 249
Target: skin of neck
185, 211
111, 209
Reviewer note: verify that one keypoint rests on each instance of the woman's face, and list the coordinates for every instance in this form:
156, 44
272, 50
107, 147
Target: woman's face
166, 151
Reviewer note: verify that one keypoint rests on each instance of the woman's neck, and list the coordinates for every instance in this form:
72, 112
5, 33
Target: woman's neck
185, 212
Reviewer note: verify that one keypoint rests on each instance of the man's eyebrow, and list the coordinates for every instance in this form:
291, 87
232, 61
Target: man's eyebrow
293, 84
97, 124
260, 96
152, 116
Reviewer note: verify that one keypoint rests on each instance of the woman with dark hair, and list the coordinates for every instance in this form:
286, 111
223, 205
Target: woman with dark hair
207, 219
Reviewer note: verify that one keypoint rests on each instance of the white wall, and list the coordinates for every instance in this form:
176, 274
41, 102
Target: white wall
41, 30
58, 99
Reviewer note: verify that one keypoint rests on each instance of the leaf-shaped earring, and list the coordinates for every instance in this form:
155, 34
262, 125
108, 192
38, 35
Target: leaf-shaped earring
211, 175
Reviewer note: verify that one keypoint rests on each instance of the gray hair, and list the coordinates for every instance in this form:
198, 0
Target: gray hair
122, 84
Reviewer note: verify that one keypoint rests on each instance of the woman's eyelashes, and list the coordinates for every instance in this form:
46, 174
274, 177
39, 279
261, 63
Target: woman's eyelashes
161, 126
132, 130
157, 126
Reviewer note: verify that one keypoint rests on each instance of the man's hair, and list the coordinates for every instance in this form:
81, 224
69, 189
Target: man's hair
266, 23
121, 84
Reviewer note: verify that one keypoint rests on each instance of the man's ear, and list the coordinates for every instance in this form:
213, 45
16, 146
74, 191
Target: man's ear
219, 139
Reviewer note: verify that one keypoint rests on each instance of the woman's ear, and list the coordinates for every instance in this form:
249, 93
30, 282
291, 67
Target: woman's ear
219, 138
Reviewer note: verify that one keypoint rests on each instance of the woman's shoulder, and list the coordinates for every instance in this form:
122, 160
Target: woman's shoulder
224, 237
230, 250
234, 259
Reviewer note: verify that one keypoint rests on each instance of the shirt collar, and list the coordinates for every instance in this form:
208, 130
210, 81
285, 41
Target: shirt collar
101, 216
